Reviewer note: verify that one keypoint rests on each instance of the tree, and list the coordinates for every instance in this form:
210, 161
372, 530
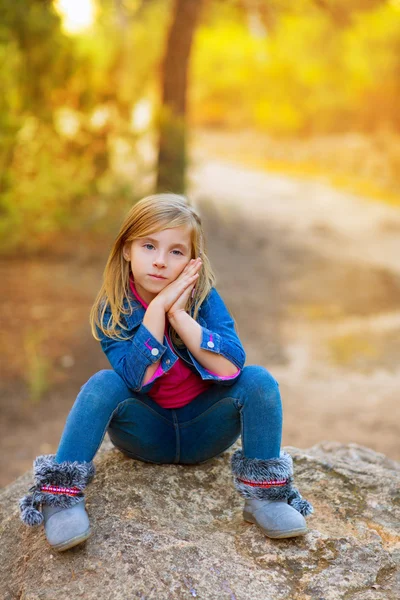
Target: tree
172, 151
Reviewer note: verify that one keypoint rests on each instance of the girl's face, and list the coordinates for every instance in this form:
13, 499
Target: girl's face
165, 253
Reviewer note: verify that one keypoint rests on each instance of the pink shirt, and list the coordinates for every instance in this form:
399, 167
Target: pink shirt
179, 385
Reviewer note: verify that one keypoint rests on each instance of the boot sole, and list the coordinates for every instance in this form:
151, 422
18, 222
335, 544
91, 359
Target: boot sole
73, 541
275, 534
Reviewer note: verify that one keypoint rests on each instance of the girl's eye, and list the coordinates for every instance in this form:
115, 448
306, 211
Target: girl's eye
151, 246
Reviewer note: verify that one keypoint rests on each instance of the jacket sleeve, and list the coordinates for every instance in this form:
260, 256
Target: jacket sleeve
218, 334
130, 358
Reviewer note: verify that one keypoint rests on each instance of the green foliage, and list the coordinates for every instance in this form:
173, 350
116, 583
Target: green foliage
69, 157
66, 112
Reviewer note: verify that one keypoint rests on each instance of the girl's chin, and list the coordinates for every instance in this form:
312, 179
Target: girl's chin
156, 283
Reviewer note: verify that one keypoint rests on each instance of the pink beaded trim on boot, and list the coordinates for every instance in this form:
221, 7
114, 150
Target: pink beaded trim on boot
56, 489
264, 484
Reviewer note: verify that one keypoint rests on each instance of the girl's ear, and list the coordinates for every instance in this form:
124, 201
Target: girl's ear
126, 251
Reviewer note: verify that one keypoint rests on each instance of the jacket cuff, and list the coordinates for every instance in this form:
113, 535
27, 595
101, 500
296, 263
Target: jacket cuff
148, 345
210, 341
224, 377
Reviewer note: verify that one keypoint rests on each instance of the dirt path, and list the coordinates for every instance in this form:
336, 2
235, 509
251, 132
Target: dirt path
311, 276
330, 262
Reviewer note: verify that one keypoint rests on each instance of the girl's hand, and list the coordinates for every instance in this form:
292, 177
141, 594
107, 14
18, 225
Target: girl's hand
183, 285
180, 304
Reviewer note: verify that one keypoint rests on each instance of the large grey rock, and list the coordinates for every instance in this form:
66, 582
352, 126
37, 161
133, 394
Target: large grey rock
175, 532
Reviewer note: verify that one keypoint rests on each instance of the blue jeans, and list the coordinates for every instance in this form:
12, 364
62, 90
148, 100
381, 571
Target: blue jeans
204, 428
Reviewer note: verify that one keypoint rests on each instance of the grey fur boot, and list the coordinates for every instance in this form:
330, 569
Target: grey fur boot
58, 489
271, 502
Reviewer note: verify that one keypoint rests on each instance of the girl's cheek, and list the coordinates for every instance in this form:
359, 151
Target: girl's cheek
184, 267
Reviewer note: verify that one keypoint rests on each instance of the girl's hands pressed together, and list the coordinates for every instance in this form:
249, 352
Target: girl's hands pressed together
175, 295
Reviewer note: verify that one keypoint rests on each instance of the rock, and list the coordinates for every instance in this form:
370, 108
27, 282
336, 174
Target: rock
172, 532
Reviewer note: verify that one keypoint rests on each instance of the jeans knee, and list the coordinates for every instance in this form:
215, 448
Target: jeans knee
258, 377
260, 388
103, 378
105, 385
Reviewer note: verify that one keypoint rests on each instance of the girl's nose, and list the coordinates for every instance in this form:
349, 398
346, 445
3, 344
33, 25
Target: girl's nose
159, 261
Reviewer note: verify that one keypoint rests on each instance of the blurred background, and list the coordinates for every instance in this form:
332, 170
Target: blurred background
280, 120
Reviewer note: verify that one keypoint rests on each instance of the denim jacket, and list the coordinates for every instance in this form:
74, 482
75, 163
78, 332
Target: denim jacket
130, 358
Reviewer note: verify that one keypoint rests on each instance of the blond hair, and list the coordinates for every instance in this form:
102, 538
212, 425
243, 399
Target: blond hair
150, 215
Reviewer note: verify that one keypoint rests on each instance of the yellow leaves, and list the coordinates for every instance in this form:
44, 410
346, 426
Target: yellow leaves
308, 75
280, 118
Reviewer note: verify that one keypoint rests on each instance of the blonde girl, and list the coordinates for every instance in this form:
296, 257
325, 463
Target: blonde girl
177, 391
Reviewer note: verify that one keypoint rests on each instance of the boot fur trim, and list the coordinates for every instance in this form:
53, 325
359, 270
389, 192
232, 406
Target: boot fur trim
299, 503
30, 515
260, 470
47, 472
272, 470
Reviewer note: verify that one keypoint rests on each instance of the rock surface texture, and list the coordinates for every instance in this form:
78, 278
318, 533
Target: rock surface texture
172, 532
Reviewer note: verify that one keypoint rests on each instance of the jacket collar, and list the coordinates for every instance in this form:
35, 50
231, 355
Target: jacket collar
136, 317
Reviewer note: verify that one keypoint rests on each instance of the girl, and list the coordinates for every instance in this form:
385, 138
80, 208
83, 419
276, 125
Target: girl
178, 391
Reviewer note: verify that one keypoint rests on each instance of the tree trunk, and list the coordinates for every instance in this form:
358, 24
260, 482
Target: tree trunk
172, 154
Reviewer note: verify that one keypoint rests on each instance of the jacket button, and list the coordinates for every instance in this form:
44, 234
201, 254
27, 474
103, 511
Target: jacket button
167, 361
210, 344
155, 351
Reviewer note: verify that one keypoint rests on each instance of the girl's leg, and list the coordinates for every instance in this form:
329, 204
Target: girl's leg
214, 420
145, 431
259, 402
60, 480
90, 415
262, 473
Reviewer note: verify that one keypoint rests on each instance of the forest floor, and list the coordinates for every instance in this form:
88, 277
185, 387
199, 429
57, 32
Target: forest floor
311, 275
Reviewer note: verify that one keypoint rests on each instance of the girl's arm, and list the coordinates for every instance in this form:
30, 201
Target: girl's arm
211, 340
154, 320
143, 357
191, 334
